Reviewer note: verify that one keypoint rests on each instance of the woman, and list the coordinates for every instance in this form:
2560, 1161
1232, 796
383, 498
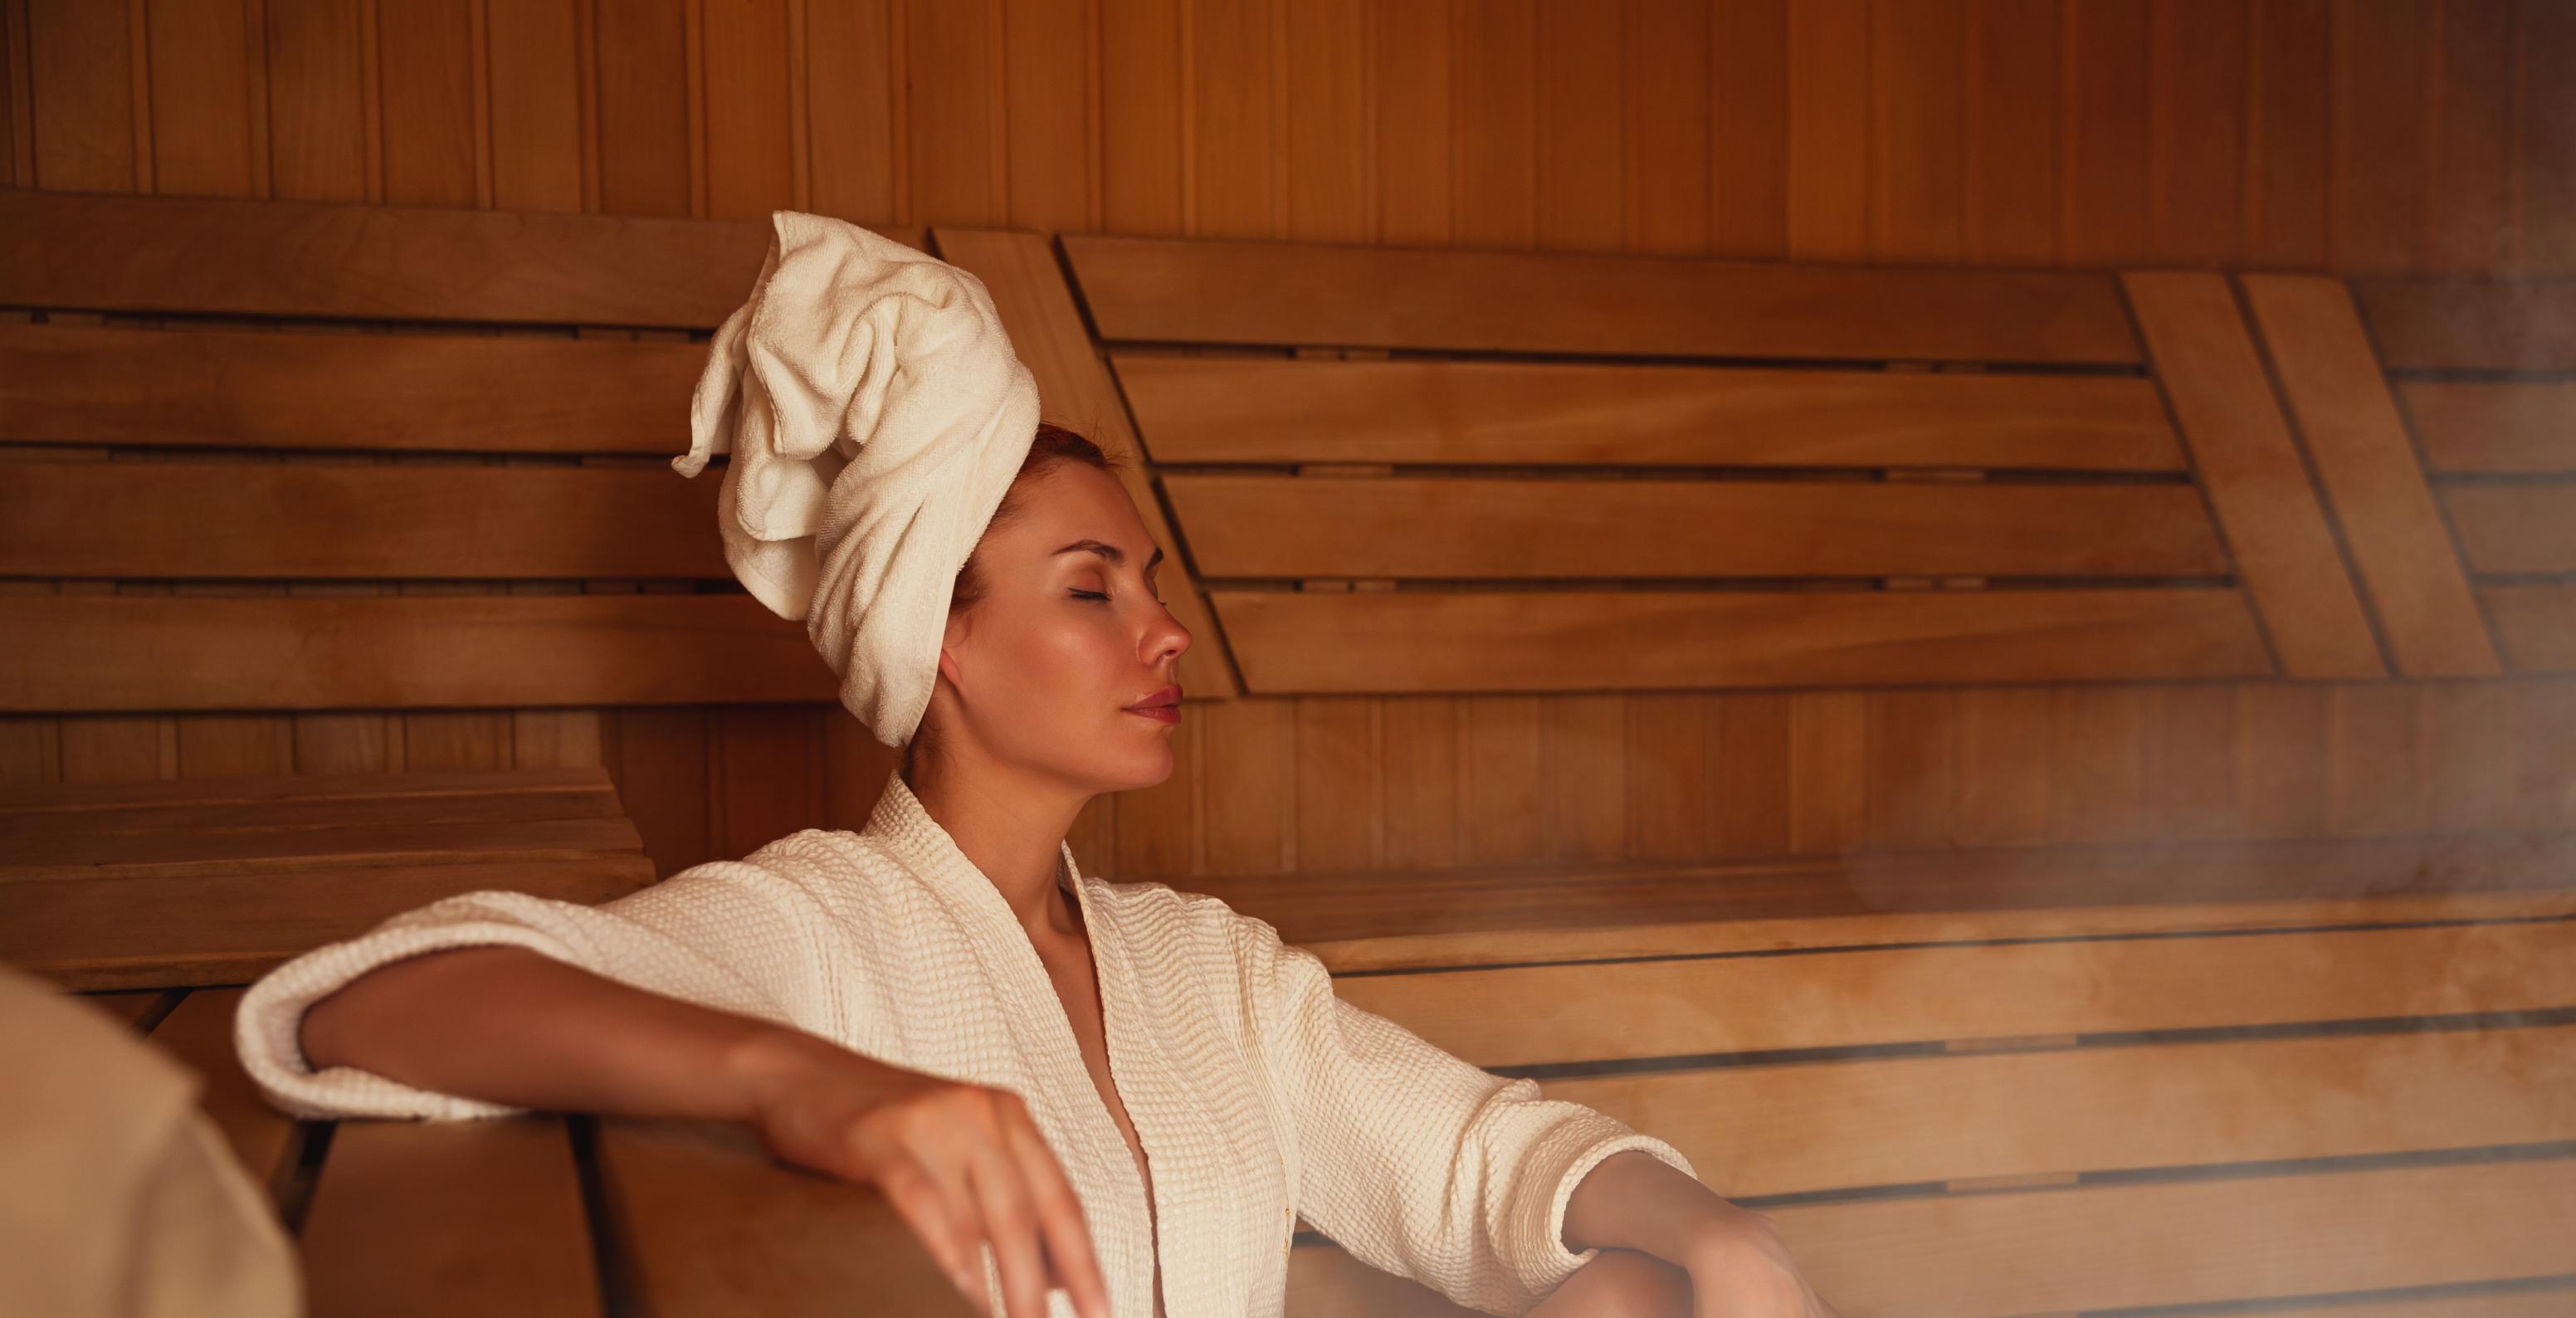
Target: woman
1119, 1090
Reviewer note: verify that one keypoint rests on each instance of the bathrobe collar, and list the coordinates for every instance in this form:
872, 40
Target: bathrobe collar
901, 825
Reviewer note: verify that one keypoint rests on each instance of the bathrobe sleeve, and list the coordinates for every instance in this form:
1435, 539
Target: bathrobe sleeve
1414, 1160
733, 935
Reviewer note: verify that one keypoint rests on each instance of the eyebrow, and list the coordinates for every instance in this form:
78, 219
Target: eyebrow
1116, 556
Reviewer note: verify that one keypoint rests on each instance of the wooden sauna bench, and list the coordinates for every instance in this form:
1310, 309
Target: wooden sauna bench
2045, 1081
215, 880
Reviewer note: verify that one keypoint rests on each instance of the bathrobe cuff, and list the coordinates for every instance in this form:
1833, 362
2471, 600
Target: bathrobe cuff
1562, 1158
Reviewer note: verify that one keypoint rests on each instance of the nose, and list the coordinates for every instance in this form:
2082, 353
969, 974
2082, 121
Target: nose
1166, 640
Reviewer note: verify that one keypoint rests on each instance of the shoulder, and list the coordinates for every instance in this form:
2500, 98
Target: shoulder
811, 867
1215, 935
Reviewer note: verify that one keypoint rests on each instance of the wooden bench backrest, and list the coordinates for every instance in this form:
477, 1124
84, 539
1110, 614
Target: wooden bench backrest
1457, 471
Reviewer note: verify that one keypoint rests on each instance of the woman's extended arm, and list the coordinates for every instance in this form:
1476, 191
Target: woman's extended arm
513, 1026
1736, 1260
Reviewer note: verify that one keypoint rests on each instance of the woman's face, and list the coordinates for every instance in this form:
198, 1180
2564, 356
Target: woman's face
1047, 672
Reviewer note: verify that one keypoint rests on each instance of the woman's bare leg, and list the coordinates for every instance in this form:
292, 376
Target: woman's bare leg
1620, 1283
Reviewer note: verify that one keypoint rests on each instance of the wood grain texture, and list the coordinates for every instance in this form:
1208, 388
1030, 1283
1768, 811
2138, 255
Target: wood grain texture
2463, 324
2493, 426
1295, 641
491, 651
2515, 528
2250, 465
1400, 527
314, 259
1143, 290
185, 520
701, 1221
1257, 409
2375, 487
199, 1032
346, 391
2535, 625
422, 1217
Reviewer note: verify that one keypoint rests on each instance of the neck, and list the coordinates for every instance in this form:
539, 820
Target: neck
1012, 826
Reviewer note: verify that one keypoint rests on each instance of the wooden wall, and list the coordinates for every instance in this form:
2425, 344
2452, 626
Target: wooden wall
2356, 135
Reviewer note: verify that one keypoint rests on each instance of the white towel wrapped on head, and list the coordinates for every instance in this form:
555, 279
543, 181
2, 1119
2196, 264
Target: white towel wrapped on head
875, 414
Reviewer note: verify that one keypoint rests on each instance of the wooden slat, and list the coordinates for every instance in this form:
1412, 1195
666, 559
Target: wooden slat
1359, 920
164, 926
188, 520
36, 856
272, 818
704, 1223
1267, 409
183, 388
449, 1217
1181, 291
109, 652
1461, 528
2466, 324
1573, 1011
277, 258
131, 1008
1385, 641
1788, 1129
1050, 335
2515, 528
2493, 426
199, 1032
2390, 526
353, 788
2257, 485
2114, 1246
2535, 626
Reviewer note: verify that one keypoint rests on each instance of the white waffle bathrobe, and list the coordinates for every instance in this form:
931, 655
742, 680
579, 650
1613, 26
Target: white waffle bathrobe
1258, 1095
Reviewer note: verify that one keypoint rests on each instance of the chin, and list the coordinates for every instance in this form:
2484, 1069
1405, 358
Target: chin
1134, 766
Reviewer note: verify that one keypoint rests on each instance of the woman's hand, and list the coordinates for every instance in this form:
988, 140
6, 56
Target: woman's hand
963, 1164
1742, 1269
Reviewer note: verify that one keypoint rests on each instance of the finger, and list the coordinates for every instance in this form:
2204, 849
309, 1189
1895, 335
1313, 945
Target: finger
1011, 1227
1059, 1212
935, 1218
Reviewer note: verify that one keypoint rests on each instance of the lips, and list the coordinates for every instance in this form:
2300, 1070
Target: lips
1163, 706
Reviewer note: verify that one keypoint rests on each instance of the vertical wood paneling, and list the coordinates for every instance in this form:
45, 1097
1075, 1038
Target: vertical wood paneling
750, 142
2380, 111
1412, 124
2470, 191
1246, 772
952, 112
1140, 122
1495, 131
2009, 156
1749, 76
1583, 777
1236, 139
2102, 143
1049, 114
851, 76
1666, 153
2286, 155
1582, 193
1332, 165
642, 115
1916, 130
432, 117
1670, 775
1828, 771
317, 120
1501, 779
1421, 777
2196, 105
2545, 221
1829, 129
1749, 744
204, 82
536, 146
1336, 768
2004, 766
81, 57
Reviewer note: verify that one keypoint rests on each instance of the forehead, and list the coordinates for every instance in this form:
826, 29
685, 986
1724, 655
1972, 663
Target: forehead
1073, 503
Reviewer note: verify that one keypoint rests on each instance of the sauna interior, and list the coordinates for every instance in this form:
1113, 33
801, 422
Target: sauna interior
1964, 608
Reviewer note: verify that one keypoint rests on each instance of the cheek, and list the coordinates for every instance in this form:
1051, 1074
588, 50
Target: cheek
1068, 663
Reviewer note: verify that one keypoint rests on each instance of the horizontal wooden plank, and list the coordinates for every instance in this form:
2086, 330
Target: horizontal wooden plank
199, 1032
52, 855
1195, 408
1480, 527
301, 788
707, 1225
133, 652
2469, 324
445, 1217
1384, 641
451, 809
124, 929
1581, 1011
1198, 291
133, 1008
192, 520
2058, 1251
2493, 426
1816, 1126
2515, 528
1360, 920
290, 258
2535, 625
413, 392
